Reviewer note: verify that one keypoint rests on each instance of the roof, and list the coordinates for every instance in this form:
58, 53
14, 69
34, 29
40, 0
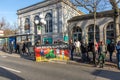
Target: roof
3, 37
23, 34
91, 16
44, 4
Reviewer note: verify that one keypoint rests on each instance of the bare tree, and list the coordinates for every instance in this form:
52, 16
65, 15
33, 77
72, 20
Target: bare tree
2, 23
90, 5
115, 8
8, 32
7, 27
93, 6
15, 26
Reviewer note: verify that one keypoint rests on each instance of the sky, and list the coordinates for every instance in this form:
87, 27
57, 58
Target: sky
8, 8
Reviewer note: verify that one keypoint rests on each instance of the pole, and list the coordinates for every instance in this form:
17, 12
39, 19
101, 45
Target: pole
94, 26
41, 34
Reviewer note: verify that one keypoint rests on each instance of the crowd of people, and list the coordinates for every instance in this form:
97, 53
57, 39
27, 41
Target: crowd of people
21, 47
99, 51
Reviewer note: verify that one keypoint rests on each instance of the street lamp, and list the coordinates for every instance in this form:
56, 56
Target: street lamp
36, 22
41, 22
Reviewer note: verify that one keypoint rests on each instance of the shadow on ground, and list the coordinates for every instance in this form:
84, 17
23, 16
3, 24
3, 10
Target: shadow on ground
28, 56
112, 64
107, 74
9, 75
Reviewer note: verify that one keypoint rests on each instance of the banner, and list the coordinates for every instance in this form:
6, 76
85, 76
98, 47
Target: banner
52, 52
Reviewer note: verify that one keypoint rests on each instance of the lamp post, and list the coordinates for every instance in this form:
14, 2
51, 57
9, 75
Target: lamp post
41, 22
36, 24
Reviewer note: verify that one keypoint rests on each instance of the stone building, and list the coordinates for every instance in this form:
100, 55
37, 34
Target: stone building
82, 27
54, 13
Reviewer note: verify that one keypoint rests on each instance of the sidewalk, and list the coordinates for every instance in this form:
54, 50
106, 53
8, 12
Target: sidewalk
8, 54
75, 62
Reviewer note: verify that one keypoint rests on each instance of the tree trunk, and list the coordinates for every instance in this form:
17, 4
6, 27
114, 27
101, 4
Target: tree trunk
116, 19
116, 25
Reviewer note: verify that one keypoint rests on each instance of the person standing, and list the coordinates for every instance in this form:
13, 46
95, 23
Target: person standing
11, 47
84, 52
90, 46
118, 54
111, 48
78, 47
17, 48
95, 52
71, 48
23, 47
28, 45
102, 54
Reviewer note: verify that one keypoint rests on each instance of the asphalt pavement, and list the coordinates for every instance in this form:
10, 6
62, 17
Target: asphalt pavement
109, 72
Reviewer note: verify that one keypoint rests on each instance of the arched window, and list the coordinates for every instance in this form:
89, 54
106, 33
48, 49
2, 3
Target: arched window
48, 27
91, 33
77, 33
27, 25
110, 32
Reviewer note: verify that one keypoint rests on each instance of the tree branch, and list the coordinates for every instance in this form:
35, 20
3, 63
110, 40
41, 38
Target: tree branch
118, 1
114, 4
80, 4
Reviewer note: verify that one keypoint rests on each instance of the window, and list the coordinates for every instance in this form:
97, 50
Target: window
48, 27
110, 32
77, 33
91, 33
27, 25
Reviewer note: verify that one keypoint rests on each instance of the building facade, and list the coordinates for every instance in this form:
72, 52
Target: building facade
54, 13
82, 27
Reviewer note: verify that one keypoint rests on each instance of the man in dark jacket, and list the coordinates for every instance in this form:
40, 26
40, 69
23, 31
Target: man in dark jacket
71, 48
84, 51
111, 48
28, 45
17, 48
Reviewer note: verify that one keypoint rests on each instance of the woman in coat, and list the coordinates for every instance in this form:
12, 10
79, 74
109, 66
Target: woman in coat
118, 54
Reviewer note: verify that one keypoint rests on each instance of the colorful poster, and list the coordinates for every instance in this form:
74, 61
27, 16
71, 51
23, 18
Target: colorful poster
53, 52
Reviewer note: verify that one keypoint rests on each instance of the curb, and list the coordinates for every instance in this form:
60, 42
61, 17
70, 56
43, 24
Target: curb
81, 64
107, 65
71, 62
59, 62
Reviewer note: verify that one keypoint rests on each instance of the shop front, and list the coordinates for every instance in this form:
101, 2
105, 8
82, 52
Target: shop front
47, 40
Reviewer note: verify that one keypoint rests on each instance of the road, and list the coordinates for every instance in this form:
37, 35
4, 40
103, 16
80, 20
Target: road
17, 68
